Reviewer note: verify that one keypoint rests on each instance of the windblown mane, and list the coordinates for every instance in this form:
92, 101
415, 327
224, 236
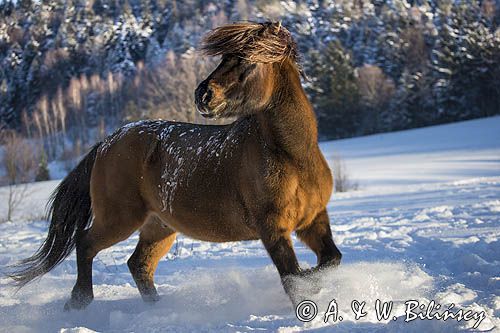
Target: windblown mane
256, 42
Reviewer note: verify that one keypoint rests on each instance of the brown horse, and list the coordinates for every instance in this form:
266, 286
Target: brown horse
261, 177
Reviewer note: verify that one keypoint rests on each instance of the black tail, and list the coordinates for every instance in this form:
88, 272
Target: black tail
70, 212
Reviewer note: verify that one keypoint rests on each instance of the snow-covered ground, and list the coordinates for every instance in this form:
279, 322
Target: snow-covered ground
424, 225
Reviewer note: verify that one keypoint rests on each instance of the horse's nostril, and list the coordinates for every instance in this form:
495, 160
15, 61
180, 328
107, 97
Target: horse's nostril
207, 96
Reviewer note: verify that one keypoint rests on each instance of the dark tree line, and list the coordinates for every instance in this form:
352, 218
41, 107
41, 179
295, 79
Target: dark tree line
380, 66
373, 65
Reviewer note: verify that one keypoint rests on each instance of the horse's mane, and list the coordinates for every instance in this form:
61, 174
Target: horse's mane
256, 42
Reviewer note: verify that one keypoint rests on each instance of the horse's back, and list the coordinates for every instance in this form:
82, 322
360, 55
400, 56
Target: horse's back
184, 173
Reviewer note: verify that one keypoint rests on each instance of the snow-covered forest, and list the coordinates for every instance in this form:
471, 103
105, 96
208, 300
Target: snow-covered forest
72, 71
373, 65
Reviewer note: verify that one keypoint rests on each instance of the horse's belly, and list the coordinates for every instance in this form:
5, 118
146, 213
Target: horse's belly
209, 225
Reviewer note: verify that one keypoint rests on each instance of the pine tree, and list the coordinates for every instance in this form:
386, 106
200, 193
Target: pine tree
413, 104
334, 91
466, 61
168, 18
148, 13
154, 53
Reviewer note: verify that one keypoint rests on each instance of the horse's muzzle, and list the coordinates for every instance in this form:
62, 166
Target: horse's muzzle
202, 97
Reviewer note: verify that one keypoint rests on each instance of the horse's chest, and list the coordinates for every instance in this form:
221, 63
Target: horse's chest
301, 193
314, 191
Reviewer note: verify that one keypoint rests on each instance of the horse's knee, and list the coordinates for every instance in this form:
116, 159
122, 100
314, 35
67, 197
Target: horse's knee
154, 243
318, 237
281, 251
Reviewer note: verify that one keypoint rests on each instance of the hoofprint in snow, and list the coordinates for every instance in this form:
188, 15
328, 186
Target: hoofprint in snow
425, 226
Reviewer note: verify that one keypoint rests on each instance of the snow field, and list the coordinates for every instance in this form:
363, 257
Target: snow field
425, 225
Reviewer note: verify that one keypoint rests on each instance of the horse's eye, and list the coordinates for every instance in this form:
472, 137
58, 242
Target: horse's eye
246, 72
231, 64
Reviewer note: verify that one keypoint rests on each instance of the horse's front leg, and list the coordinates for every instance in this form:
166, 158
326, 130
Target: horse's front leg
318, 237
276, 238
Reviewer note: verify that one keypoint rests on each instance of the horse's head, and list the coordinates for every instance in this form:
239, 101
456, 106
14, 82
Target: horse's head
244, 82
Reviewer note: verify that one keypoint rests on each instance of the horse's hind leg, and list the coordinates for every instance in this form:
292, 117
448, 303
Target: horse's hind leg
82, 293
108, 228
155, 241
318, 236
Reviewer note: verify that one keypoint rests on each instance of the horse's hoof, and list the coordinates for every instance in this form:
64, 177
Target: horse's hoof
301, 286
312, 273
77, 304
151, 298
332, 263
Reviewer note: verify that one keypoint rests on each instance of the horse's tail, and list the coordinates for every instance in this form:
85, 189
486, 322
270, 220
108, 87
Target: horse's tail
70, 212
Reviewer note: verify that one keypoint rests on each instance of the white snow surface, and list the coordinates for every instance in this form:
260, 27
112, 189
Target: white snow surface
424, 225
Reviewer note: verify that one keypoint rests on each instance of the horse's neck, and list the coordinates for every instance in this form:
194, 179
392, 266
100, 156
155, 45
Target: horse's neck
289, 123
